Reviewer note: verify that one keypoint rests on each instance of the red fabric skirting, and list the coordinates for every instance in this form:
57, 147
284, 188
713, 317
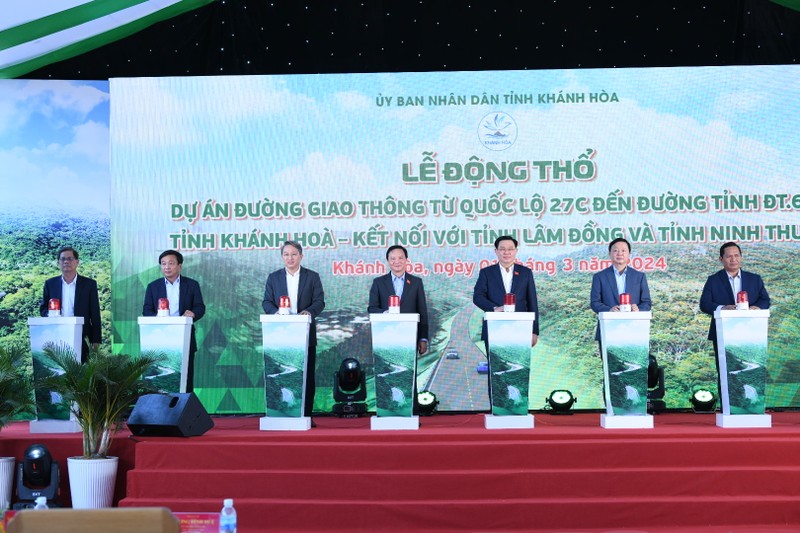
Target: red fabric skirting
566, 474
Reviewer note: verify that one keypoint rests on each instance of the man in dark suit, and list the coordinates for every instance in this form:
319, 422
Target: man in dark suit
497, 280
408, 287
411, 292
304, 289
78, 296
721, 289
185, 299
617, 279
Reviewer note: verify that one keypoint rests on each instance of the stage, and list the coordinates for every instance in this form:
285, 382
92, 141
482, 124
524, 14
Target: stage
566, 474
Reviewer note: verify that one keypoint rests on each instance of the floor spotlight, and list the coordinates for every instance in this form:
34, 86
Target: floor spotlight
349, 390
703, 401
560, 402
37, 475
427, 403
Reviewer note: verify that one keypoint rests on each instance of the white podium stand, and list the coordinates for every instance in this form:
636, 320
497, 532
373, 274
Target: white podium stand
394, 347
170, 335
509, 369
59, 331
625, 337
285, 351
742, 349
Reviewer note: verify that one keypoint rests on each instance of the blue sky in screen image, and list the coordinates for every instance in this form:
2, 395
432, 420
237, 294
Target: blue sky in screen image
54, 146
684, 131
289, 122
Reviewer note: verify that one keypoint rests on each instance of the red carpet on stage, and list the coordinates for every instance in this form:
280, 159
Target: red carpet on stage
566, 474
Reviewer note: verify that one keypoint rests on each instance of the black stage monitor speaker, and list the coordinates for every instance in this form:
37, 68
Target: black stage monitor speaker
169, 415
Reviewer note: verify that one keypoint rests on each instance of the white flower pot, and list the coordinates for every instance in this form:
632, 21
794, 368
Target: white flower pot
91, 481
7, 466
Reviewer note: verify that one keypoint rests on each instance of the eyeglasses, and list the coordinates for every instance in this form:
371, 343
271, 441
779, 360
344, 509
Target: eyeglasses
66, 259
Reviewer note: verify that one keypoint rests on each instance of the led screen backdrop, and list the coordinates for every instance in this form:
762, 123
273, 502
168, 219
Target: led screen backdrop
54, 191
676, 160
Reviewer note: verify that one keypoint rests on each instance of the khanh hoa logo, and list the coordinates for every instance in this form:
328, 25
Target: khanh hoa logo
497, 131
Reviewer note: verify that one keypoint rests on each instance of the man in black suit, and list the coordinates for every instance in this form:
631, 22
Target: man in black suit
408, 287
78, 295
504, 277
412, 297
185, 299
721, 288
306, 297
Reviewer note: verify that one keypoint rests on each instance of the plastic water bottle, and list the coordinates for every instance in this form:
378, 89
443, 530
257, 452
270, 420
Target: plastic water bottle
227, 517
41, 503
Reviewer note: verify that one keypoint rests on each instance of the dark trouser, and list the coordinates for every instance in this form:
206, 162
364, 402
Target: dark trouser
311, 385
190, 373
85, 341
190, 366
489, 374
716, 362
84, 351
603, 384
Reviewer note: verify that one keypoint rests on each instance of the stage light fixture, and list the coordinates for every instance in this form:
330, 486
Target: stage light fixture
349, 389
427, 403
703, 401
37, 475
560, 402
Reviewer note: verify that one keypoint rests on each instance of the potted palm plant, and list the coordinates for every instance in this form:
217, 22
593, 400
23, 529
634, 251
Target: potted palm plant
99, 392
16, 401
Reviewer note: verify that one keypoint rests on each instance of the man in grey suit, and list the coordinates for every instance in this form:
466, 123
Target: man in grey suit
617, 279
306, 297
408, 287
